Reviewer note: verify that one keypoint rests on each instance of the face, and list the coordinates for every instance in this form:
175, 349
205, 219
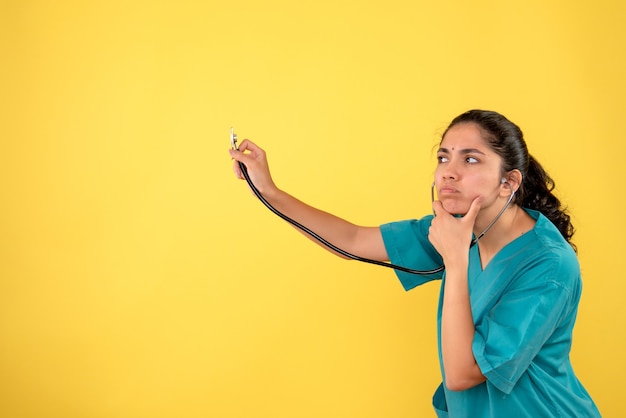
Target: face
466, 168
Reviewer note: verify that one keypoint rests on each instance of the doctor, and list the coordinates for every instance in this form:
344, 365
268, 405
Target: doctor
507, 305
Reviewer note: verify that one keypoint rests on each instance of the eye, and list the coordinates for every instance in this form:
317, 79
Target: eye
442, 159
471, 160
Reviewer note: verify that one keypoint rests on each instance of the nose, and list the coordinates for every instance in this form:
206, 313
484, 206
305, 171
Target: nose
449, 170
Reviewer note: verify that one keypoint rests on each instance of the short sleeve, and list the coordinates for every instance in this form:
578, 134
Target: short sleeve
407, 245
509, 337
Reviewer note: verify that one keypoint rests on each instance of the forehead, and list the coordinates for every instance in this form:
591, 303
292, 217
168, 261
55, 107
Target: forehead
464, 136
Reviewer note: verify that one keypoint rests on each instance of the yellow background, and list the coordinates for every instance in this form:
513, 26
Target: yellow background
139, 278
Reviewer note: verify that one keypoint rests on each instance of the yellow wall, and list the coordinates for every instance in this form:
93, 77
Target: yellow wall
138, 278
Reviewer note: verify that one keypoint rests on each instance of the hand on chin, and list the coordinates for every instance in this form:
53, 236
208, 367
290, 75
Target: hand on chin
455, 207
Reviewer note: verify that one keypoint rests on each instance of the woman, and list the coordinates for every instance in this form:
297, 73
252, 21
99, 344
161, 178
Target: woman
508, 304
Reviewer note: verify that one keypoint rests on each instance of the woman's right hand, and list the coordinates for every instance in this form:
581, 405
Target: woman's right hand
255, 160
363, 241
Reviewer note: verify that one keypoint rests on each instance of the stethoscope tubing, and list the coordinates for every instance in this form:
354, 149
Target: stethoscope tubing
326, 243
347, 254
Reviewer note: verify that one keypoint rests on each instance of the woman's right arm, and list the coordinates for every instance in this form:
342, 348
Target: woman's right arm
362, 241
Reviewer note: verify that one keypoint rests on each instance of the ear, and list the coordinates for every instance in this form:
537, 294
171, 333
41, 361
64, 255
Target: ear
514, 179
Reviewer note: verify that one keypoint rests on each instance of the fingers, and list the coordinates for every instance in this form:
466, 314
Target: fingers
471, 214
237, 170
254, 163
251, 147
247, 153
238, 155
438, 208
449, 234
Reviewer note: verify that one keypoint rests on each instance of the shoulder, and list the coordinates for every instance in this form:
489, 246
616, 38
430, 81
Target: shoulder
407, 234
550, 243
548, 257
407, 244
408, 225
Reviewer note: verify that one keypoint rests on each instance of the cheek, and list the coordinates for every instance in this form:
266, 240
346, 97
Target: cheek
486, 185
489, 190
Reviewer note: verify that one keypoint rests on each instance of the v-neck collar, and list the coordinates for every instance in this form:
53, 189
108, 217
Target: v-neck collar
476, 266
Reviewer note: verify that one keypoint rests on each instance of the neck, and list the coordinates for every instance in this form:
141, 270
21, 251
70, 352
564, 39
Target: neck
488, 213
513, 223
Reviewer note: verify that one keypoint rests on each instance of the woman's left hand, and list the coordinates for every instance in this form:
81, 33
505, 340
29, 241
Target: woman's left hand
451, 236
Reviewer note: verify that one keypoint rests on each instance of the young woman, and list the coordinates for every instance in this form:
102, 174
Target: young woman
509, 300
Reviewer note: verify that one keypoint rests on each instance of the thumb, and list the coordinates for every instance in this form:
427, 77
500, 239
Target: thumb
245, 158
474, 209
237, 155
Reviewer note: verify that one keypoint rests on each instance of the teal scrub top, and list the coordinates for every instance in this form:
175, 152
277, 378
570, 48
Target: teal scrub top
524, 306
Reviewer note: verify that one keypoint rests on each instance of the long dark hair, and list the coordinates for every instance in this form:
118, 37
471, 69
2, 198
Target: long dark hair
535, 191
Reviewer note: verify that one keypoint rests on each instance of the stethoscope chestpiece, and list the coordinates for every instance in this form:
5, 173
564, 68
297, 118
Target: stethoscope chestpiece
233, 139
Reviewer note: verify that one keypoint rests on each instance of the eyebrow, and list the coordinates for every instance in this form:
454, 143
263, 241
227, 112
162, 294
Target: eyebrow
462, 151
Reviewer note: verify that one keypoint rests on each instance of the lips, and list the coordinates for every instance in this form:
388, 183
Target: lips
447, 190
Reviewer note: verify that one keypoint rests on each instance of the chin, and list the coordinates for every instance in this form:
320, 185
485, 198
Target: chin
455, 207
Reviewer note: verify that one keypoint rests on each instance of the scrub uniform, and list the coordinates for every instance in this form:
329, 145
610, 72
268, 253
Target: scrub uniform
524, 306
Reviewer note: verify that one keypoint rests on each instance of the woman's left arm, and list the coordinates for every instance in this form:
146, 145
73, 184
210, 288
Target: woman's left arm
457, 331
451, 237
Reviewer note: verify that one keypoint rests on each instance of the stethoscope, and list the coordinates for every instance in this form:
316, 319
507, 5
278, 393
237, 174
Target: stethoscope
244, 170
